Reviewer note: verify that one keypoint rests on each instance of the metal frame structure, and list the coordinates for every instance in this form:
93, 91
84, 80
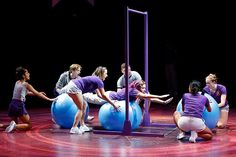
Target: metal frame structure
127, 129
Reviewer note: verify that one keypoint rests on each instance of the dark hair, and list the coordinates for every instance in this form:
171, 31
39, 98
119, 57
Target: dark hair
194, 87
20, 71
123, 66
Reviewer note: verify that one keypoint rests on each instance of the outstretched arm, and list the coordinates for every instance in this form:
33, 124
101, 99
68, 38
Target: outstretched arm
33, 91
163, 96
155, 98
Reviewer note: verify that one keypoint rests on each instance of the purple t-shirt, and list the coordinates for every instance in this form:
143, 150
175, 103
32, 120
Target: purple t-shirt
88, 83
220, 90
194, 104
120, 95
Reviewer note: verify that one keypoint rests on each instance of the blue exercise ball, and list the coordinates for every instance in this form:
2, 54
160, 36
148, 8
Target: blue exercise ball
137, 114
111, 119
210, 118
64, 109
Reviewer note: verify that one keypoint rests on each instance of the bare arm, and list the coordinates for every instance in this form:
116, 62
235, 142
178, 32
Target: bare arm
154, 98
150, 96
208, 107
222, 100
101, 93
33, 91
163, 96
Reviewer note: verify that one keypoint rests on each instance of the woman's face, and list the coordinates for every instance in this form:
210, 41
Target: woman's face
143, 88
209, 83
26, 75
104, 75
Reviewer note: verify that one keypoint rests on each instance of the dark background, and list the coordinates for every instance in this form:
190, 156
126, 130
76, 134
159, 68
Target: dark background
187, 40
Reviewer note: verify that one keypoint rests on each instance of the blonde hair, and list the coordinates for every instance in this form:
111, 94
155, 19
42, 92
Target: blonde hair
99, 71
212, 77
74, 67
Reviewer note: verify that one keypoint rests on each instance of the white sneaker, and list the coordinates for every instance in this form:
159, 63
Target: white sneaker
181, 136
11, 126
90, 118
84, 128
193, 137
76, 130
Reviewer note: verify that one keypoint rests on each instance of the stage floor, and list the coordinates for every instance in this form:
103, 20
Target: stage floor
47, 140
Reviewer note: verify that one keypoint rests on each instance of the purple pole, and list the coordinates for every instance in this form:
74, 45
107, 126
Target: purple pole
127, 124
146, 48
136, 11
146, 116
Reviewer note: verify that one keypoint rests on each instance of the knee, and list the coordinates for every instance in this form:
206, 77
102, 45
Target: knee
208, 136
176, 114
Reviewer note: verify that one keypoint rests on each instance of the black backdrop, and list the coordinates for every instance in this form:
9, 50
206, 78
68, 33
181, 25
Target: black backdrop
187, 40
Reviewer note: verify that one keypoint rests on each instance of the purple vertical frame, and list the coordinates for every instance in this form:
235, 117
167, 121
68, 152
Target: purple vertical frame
127, 124
146, 115
127, 129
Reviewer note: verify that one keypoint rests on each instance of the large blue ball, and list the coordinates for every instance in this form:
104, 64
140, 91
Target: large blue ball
113, 120
211, 118
137, 114
64, 109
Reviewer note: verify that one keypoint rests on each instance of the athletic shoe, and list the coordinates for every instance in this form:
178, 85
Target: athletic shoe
84, 128
180, 136
90, 118
76, 130
193, 137
11, 126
